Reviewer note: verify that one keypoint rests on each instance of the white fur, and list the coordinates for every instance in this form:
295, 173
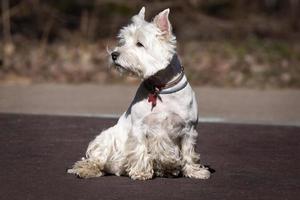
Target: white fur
147, 142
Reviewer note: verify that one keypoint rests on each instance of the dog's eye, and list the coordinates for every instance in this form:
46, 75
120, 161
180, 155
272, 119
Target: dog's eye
139, 44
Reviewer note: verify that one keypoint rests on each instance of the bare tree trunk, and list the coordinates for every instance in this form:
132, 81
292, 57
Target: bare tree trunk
294, 14
6, 21
8, 47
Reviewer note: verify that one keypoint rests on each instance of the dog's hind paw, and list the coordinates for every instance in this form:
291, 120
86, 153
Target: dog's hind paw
85, 169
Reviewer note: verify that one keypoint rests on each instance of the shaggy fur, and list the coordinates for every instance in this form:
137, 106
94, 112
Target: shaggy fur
148, 141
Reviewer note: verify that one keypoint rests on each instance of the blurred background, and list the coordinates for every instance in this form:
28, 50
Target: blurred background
222, 43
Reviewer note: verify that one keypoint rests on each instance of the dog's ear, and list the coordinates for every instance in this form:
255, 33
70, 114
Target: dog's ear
140, 17
142, 13
162, 22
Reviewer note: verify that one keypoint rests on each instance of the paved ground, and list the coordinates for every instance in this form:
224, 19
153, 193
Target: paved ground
220, 105
250, 162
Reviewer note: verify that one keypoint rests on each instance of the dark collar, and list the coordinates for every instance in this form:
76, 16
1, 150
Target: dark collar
154, 85
156, 88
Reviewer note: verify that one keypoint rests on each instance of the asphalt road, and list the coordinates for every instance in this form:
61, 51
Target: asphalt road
258, 162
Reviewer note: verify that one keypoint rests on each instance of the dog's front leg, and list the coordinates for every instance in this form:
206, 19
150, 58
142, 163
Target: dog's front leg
192, 167
139, 164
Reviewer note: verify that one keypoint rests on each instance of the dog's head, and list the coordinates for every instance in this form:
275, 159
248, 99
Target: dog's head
145, 47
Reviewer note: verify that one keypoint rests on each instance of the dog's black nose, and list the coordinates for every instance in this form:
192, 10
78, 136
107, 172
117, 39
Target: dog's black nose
115, 55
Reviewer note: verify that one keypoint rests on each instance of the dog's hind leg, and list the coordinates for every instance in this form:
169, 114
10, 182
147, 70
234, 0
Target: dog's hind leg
97, 154
86, 168
192, 167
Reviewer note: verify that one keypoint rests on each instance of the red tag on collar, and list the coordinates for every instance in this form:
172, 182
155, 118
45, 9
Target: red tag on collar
152, 98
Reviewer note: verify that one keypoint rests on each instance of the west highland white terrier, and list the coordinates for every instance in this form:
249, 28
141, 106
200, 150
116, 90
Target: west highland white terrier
156, 136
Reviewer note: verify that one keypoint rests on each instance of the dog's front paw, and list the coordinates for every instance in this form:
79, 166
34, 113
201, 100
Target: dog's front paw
196, 172
141, 175
85, 169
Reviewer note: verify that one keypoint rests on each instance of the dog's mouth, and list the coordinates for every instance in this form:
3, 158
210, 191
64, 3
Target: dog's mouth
120, 68
130, 71
123, 70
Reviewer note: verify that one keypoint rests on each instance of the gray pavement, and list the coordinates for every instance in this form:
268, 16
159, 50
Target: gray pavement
281, 107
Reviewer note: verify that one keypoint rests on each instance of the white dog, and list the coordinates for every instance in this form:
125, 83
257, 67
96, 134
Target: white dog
156, 136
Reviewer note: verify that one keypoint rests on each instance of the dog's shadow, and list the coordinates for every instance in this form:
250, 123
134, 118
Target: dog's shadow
211, 170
